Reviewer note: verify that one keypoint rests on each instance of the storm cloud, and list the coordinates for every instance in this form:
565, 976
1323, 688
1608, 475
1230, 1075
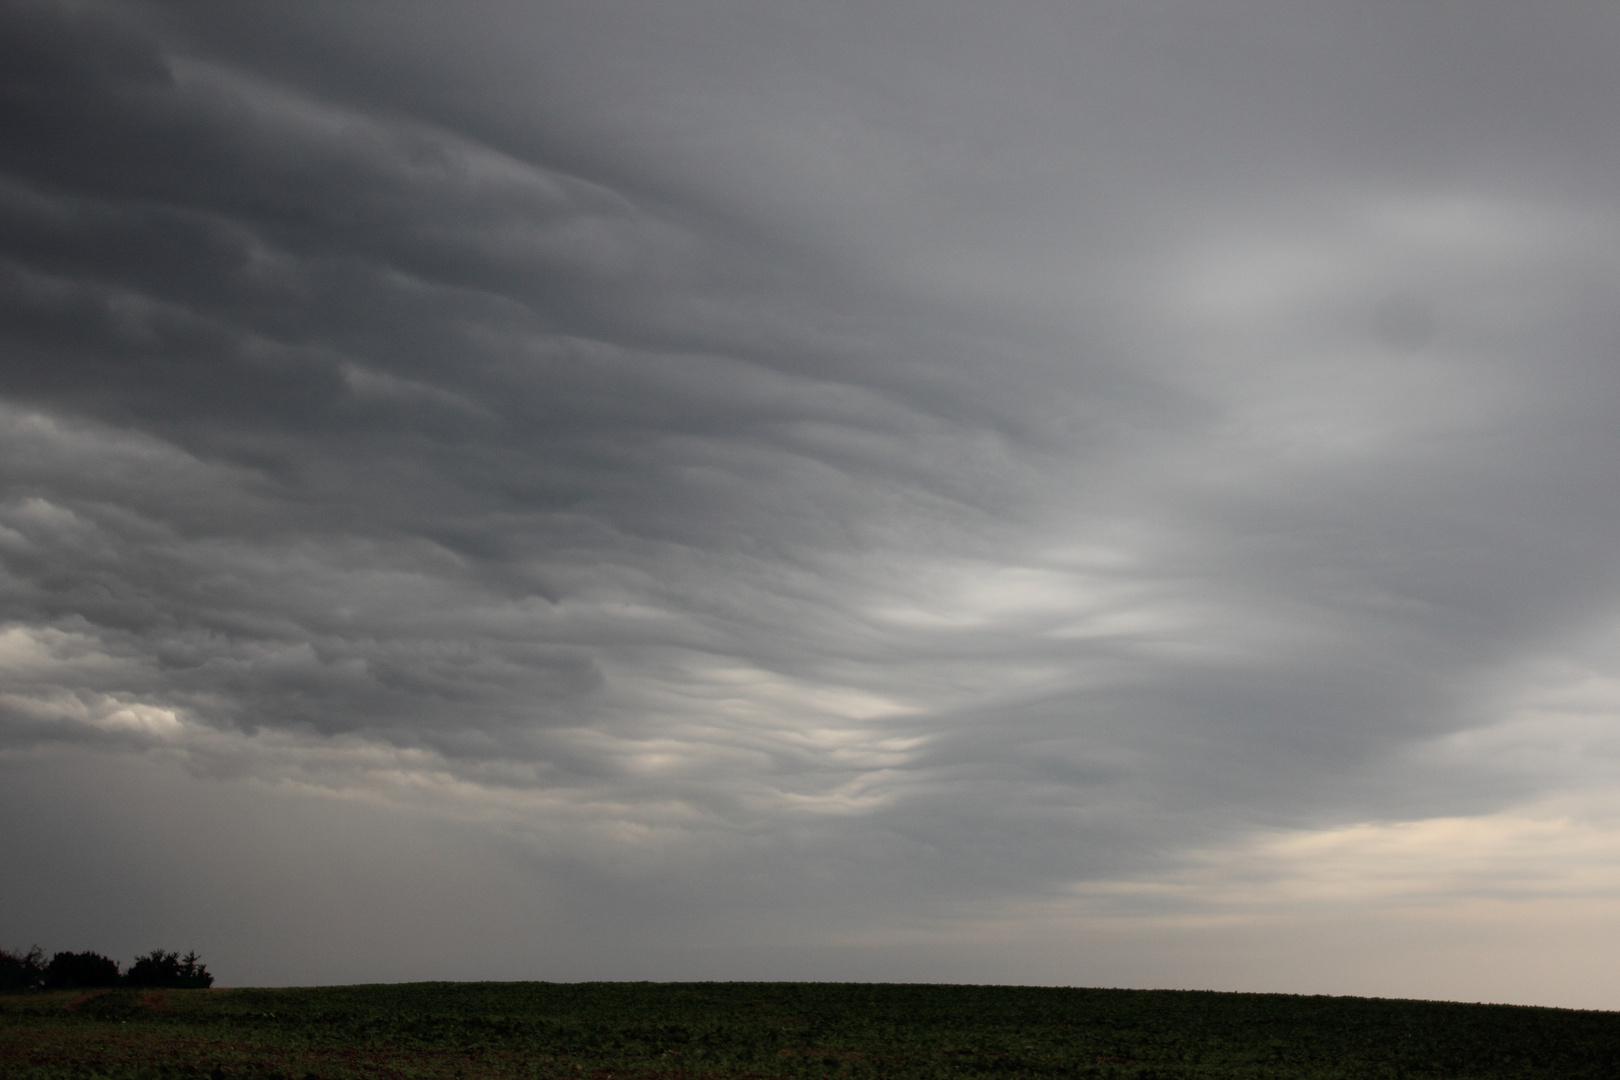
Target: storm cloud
789, 490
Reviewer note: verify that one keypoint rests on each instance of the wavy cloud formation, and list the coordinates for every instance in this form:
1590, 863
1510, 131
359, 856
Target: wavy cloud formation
804, 492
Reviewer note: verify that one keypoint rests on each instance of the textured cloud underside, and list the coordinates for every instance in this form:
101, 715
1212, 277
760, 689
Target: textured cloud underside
860, 469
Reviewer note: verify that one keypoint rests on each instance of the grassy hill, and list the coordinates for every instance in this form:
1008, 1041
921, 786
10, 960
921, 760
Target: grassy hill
593, 1031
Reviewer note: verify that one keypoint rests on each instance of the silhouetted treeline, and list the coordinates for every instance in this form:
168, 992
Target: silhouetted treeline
87, 970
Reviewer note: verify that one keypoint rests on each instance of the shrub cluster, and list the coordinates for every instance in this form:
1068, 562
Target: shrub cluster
87, 970
159, 968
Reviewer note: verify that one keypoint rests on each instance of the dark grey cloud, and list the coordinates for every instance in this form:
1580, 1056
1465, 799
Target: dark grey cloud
760, 467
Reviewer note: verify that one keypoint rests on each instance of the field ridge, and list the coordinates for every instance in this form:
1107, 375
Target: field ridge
739, 1031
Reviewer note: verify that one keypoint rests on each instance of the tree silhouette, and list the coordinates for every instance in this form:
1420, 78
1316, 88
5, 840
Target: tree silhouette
22, 970
159, 968
74, 970
87, 970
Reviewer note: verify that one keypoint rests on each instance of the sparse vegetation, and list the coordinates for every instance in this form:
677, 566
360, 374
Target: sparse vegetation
788, 1030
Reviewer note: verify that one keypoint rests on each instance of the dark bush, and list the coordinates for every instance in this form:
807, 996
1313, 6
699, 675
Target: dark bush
159, 968
75, 970
22, 970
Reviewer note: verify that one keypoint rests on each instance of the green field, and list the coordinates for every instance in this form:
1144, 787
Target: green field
680, 1030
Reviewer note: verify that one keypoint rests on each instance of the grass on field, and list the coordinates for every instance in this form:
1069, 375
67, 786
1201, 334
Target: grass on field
673, 1031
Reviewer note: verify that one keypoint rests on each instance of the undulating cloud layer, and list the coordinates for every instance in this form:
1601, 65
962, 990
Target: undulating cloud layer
1021, 493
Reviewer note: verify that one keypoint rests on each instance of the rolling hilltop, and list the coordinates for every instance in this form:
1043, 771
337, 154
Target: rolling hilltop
695, 1030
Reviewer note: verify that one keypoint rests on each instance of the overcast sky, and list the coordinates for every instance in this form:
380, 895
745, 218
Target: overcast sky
1098, 494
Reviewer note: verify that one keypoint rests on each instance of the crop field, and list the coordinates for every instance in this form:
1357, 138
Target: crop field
674, 1031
